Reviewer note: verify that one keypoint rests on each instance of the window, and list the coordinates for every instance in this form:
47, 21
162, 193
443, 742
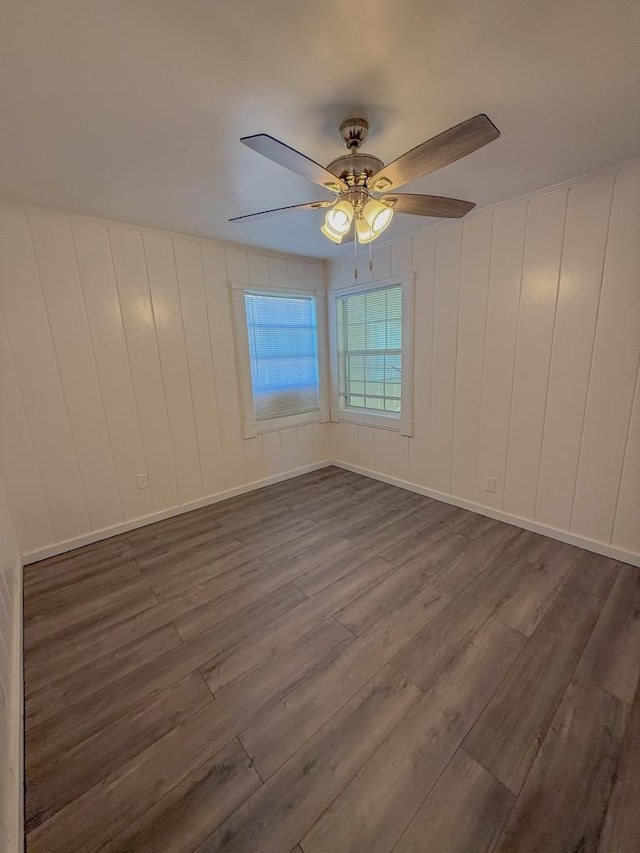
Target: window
370, 349
372, 354
278, 358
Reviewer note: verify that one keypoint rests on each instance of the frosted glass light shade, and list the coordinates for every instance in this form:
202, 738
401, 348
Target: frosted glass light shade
339, 217
331, 234
364, 232
377, 215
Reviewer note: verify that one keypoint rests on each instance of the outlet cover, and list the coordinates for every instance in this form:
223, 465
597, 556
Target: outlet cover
142, 481
490, 484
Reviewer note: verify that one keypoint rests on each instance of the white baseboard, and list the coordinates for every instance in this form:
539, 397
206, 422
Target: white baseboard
554, 533
602, 548
133, 524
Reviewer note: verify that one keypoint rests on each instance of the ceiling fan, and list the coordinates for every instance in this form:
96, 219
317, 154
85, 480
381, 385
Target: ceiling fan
362, 186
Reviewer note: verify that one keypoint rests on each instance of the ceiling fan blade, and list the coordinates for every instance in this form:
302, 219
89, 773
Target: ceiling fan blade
277, 211
293, 160
439, 151
428, 205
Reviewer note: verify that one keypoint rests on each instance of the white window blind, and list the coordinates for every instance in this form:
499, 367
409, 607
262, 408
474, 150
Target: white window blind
283, 352
369, 327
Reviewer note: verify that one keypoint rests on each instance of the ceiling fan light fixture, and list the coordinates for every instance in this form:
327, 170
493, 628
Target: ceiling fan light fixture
377, 215
364, 232
331, 234
353, 177
339, 217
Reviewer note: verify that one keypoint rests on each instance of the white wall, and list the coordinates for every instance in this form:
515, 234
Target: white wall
527, 342
118, 358
10, 685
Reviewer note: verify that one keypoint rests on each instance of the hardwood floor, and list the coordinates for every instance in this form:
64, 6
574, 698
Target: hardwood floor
332, 664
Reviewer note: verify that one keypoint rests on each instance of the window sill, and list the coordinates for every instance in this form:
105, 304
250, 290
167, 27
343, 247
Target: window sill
255, 428
382, 420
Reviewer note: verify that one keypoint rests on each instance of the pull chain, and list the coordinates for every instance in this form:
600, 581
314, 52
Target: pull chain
355, 253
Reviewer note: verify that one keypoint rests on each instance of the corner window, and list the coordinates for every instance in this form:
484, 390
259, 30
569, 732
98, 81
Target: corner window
370, 349
372, 358
278, 358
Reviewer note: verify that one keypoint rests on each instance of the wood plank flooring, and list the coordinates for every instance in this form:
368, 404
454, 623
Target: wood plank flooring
332, 664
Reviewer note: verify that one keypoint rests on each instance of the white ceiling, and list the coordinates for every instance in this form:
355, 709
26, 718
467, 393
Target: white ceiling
132, 109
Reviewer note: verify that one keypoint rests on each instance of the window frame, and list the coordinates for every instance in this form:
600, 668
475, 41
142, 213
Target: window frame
252, 427
401, 422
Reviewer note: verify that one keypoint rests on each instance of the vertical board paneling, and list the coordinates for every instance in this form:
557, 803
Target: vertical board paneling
278, 272
305, 444
176, 384
321, 441
346, 271
55, 257
224, 359
381, 264
507, 247
254, 458
474, 286
119, 358
615, 363
237, 265
365, 272
295, 273
580, 277
137, 314
350, 438
444, 345
200, 361
18, 461
313, 275
272, 453
334, 276
289, 448
382, 450
365, 446
35, 362
101, 382
93, 253
423, 260
543, 247
401, 256
626, 531
400, 456
532, 328
258, 270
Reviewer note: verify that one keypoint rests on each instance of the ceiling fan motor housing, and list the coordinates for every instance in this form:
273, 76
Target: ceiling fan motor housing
355, 169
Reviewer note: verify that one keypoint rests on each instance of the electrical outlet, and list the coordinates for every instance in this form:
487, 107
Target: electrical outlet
142, 481
490, 484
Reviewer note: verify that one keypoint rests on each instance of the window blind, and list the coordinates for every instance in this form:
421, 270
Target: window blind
369, 326
283, 351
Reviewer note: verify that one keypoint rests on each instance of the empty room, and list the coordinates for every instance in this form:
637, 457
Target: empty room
319, 426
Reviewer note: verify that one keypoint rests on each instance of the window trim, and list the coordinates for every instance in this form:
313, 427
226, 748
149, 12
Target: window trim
387, 420
252, 427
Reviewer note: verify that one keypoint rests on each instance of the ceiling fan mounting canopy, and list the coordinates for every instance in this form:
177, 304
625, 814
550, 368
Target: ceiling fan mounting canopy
362, 181
354, 132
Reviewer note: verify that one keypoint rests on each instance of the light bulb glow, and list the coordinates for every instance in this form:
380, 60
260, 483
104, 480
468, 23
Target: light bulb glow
364, 232
382, 220
339, 217
328, 232
377, 215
